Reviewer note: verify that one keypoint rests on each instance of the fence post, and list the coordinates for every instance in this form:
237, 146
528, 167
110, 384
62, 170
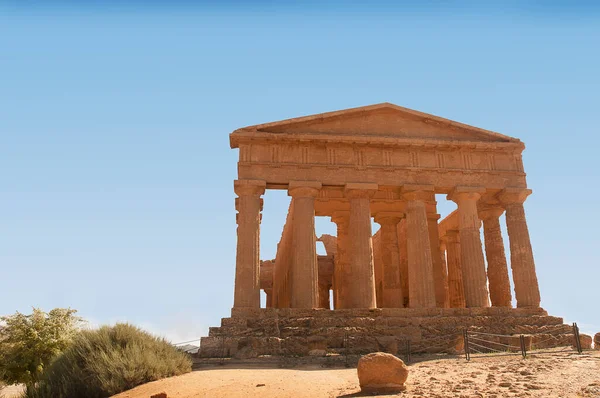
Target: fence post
222, 350
466, 344
523, 350
347, 364
577, 340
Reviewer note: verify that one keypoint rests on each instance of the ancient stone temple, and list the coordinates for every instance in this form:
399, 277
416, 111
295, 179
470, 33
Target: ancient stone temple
418, 275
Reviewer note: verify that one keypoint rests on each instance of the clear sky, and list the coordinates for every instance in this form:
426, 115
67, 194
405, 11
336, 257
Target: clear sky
116, 192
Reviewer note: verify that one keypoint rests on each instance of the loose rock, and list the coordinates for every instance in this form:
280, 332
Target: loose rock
381, 373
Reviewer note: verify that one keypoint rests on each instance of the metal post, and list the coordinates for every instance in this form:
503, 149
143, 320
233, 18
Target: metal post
466, 344
577, 340
347, 364
222, 350
523, 350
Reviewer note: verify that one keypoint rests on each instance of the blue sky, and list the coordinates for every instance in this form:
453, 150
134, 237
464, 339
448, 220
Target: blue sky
116, 193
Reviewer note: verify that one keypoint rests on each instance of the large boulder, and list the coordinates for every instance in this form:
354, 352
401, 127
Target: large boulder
597, 341
381, 373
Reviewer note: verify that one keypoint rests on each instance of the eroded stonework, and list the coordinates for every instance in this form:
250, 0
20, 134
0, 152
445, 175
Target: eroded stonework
417, 276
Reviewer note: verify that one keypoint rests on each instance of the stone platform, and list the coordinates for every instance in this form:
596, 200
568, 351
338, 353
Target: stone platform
250, 333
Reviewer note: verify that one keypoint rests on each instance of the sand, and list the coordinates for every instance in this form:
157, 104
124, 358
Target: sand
540, 375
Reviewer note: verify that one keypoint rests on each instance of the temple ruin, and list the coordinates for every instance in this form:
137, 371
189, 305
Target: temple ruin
418, 276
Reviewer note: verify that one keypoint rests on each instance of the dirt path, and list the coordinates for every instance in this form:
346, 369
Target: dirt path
548, 375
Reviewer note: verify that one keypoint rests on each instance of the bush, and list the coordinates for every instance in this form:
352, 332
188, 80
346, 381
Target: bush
103, 362
28, 343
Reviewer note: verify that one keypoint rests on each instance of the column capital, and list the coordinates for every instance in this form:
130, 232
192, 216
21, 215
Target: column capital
360, 190
433, 216
452, 236
461, 193
341, 217
249, 187
388, 217
509, 196
418, 192
304, 189
488, 212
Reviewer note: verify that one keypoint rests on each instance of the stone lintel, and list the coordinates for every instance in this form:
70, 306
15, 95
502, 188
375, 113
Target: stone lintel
304, 188
513, 195
249, 187
360, 190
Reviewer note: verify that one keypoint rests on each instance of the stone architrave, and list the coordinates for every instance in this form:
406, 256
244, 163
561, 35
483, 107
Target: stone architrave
305, 285
420, 263
390, 255
456, 293
527, 290
440, 277
247, 269
361, 278
497, 271
341, 264
472, 262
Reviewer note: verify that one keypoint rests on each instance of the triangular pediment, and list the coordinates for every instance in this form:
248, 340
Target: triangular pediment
381, 120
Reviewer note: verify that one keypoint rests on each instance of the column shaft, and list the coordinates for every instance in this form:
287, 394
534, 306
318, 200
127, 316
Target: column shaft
456, 291
497, 271
472, 262
247, 270
527, 290
420, 264
341, 266
390, 258
360, 247
403, 246
440, 277
305, 273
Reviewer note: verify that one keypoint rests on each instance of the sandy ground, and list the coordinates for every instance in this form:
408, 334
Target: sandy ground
11, 391
540, 375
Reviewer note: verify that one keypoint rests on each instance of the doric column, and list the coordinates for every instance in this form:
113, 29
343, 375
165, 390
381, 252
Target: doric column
269, 294
420, 265
497, 271
361, 280
247, 268
527, 290
472, 262
305, 272
324, 301
440, 277
456, 292
341, 266
390, 256
403, 245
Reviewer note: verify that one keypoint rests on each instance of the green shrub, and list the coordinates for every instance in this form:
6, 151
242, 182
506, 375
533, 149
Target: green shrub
28, 343
103, 362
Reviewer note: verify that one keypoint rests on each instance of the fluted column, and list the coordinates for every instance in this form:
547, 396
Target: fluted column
440, 277
456, 292
527, 290
361, 284
473, 264
305, 272
341, 267
420, 264
390, 256
403, 246
497, 271
247, 268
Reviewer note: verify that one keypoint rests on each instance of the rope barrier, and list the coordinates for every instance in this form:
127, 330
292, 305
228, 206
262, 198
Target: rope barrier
186, 342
